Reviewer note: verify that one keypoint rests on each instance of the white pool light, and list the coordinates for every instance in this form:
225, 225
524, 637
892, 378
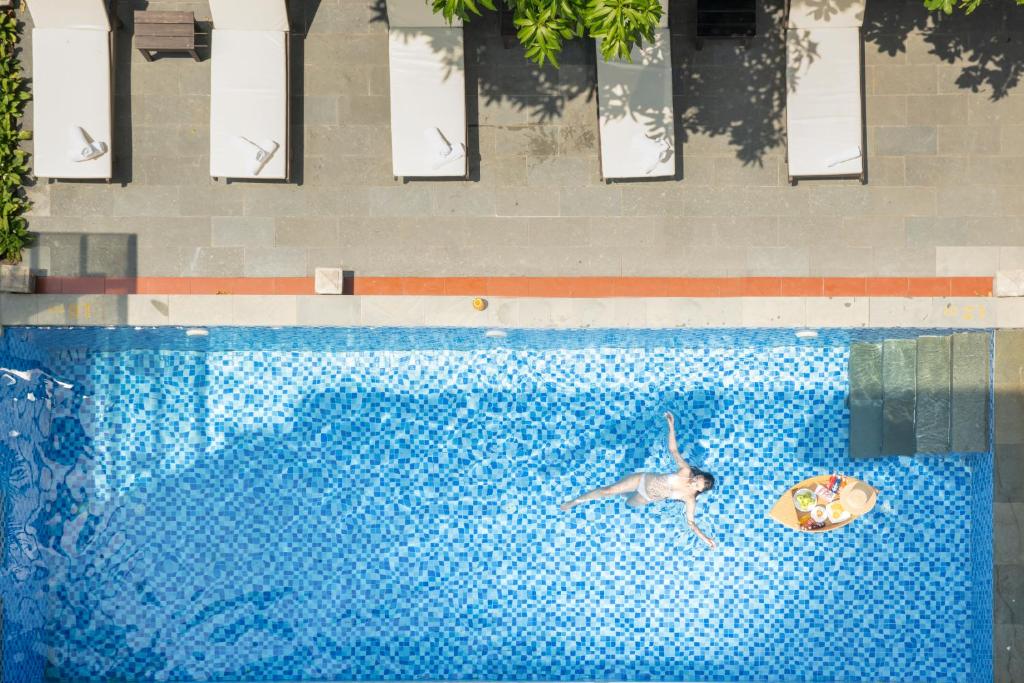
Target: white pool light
197, 332
806, 334
496, 334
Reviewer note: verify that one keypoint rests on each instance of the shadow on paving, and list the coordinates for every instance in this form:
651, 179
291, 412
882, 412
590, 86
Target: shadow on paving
735, 91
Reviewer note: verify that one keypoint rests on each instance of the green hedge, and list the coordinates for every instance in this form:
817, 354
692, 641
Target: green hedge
14, 169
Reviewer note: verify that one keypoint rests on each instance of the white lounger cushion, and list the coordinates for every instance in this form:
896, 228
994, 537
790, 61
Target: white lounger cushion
428, 91
828, 14
249, 15
635, 113
248, 99
70, 14
71, 89
823, 102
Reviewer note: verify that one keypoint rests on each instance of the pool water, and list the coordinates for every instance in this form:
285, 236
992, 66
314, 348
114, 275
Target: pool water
259, 505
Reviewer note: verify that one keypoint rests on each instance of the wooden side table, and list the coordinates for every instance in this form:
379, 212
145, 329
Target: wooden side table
165, 32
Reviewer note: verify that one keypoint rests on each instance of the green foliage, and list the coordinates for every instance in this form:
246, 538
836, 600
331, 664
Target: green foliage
14, 235
948, 6
543, 26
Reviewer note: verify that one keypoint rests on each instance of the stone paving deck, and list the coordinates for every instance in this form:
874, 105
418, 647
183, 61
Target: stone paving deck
945, 161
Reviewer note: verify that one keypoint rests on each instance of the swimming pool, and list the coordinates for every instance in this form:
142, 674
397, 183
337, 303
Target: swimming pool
258, 505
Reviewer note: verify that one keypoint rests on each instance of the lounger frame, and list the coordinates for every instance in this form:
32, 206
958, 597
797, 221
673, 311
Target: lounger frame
405, 17
862, 176
597, 101
262, 17
115, 23
287, 123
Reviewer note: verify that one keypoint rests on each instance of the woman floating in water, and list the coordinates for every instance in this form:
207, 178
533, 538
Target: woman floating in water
645, 487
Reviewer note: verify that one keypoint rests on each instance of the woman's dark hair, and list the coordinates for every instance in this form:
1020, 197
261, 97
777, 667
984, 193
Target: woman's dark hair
709, 478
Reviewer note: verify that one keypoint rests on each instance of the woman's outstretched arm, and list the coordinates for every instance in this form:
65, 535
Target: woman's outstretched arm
691, 508
673, 447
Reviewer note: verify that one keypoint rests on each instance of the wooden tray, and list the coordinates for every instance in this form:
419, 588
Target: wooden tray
784, 511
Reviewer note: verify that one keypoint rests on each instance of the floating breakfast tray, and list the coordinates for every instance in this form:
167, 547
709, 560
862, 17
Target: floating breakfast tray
785, 512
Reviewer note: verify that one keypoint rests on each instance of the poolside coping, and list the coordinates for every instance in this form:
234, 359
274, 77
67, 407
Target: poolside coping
566, 287
525, 312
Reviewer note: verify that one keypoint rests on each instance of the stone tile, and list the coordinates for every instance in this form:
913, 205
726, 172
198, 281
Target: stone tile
931, 110
1010, 313
895, 312
1002, 170
527, 140
214, 262
518, 201
1008, 533
400, 201
581, 140
652, 199
885, 171
1008, 653
1009, 477
81, 199
275, 262
78, 309
938, 171
591, 201
464, 200
1011, 139
778, 261
303, 231
774, 312
241, 231
19, 309
840, 261
560, 171
837, 312
901, 79
263, 311
322, 110
729, 172
886, 110
731, 231
903, 140
397, 311
873, 231
141, 200
710, 312
966, 261
328, 311
1011, 258
964, 200
148, 309
192, 309
982, 110
960, 139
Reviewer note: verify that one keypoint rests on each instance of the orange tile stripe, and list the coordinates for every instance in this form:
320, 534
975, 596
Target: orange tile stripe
582, 287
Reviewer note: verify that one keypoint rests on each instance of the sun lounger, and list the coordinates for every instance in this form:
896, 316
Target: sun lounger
428, 92
824, 123
72, 88
249, 90
635, 114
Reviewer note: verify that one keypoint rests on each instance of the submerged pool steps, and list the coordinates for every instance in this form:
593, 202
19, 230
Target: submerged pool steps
924, 395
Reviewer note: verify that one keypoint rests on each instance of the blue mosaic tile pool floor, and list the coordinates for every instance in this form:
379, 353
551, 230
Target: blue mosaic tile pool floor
370, 508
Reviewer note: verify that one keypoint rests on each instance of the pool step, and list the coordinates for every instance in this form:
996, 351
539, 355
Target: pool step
899, 388
924, 395
970, 418
865, 399
932, 408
